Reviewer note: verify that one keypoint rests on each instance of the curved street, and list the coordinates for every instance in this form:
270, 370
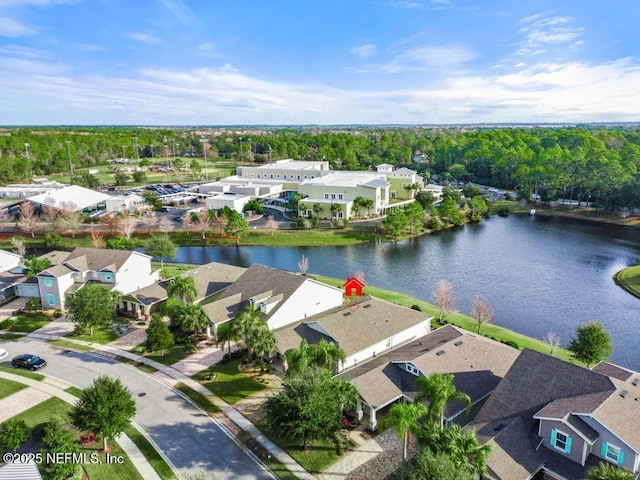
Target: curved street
191, 440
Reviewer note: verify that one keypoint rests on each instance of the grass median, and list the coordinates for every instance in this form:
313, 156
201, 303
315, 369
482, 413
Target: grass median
629, 280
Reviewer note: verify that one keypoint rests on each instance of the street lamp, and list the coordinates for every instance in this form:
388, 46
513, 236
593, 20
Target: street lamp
26, 147
204, 149
124, 156
240, 148
135, 143
69, 153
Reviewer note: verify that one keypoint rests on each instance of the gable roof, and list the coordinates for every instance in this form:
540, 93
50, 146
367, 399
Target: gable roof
96, 259
536, 379
477, 364
353, 330
256, 280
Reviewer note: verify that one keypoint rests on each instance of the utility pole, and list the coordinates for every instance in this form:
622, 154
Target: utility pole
68, 142
204, 150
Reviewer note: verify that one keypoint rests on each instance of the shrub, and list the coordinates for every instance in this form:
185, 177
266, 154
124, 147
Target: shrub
504, 211
33, 304
435, 224
6, 324
416, 307
57, 313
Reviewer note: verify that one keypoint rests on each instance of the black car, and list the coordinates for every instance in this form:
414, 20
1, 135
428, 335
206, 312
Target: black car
32, 362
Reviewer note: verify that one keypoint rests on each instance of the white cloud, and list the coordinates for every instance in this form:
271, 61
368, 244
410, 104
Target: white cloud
364, 51
33, 91
21, 51
38, 3
541, 32
143, 37
424, 57
181, 11
10, 27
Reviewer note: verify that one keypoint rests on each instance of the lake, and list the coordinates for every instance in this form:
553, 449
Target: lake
537, 273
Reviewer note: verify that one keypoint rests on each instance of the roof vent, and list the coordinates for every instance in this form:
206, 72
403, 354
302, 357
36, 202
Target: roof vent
636, 382
624, 394
346, 314
458, 343
440, 352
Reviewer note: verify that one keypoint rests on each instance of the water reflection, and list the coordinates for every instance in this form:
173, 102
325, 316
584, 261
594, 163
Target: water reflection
537, 273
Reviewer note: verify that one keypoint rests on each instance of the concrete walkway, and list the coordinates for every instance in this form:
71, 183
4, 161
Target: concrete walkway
130, 448
236, 417
21, 401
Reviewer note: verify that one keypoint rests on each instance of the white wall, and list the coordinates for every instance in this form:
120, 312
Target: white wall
135, 273
310, 299
221, 201
8, 260
381, 347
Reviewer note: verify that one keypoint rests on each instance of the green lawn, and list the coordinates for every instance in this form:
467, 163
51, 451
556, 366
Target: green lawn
74, 391
50, 409
629, 279
175, 354
71, 345
496, 332
150, 453
321, 454
228, 383
22, 372
10, 336
28, 322
198, 399
100, 335
172, 269
8, 387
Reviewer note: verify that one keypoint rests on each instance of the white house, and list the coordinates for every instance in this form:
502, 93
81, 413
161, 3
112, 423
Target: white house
283, 297
363, 331
123, 271
8, 260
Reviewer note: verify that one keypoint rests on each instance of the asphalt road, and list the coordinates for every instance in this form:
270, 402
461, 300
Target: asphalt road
190, 439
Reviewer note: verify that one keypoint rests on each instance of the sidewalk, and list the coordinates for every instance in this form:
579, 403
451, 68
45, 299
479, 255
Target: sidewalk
230, 412
135, 455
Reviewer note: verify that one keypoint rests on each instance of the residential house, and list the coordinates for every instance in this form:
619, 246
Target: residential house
557, 419
9, 260
336, 192
208, 279
363, 330
282, 297
476, 363
123, 271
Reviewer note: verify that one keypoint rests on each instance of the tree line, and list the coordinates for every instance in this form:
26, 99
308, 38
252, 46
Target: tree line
598, 164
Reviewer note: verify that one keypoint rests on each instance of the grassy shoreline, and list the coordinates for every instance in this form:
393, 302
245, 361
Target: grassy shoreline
629, 280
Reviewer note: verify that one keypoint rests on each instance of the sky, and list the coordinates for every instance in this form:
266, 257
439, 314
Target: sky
327, 62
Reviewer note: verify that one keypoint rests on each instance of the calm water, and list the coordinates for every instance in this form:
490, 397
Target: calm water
537, 273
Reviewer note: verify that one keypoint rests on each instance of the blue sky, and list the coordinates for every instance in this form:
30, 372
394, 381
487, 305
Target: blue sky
223, 62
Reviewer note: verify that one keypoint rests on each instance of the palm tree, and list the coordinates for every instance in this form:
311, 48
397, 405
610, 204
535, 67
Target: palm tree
461, 447
298, 358
607, 471
262, 342
325, 355
183, 288
437, 391
368, 204
192, 318
35, 265
406, 418
245, 323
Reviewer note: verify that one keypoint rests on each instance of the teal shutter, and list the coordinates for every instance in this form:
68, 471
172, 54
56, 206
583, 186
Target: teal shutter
553, 438
621, 457
603, 450
567, 449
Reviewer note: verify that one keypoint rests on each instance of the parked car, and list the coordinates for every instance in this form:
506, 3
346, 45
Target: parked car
32, 362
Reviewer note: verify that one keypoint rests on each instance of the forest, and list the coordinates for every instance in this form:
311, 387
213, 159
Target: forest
585, 163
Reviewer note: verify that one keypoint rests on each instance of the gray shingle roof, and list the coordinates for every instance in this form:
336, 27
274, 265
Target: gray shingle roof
536, 379
96, 259
611, 370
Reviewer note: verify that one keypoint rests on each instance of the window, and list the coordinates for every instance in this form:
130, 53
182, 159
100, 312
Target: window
326, 196
333, 196
612, 453
340, 196
561, 441
108, 277
308, 213
51, 300
48, 282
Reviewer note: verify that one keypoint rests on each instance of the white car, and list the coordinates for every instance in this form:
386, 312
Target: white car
493, 190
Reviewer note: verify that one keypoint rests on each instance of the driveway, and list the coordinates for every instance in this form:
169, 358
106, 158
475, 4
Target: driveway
192, 441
